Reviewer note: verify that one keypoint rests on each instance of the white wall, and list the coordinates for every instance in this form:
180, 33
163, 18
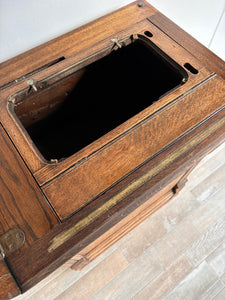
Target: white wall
203, 19
25, 24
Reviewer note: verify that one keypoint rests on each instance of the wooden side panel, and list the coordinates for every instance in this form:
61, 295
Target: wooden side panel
8, 286
22, 204
99, 172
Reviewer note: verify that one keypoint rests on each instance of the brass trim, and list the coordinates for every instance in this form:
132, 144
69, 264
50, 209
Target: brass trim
61, 238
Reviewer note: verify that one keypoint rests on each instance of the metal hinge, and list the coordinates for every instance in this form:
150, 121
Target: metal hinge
11, 241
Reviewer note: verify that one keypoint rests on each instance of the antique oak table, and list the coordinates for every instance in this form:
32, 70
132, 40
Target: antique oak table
99, 128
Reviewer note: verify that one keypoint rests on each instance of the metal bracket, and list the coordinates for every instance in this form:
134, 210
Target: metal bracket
32, 85
11, 241
116, 43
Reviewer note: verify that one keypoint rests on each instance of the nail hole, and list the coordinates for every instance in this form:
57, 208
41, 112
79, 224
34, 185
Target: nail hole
148, 33
190, 68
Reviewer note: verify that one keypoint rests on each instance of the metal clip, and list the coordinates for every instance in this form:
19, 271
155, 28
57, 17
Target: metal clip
54, 161
116, 43
32, 85
2, 253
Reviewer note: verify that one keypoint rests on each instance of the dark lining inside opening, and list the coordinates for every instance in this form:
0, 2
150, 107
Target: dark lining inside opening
111, 90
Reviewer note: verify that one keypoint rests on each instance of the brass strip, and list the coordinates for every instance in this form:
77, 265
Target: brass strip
137, 183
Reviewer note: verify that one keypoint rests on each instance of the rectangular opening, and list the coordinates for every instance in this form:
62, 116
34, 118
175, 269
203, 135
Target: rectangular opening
68, 116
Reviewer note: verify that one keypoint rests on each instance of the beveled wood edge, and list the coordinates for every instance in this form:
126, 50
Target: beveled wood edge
62, 254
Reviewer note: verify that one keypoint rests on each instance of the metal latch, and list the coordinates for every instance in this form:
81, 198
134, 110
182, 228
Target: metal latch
11, 241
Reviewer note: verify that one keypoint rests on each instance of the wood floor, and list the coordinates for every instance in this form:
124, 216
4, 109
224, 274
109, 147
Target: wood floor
177, 253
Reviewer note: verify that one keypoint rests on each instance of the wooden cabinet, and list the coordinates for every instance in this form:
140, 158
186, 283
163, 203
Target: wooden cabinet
99, 128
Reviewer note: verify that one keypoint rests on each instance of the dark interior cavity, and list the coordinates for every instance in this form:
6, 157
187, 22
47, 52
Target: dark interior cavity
109, 92
190, 68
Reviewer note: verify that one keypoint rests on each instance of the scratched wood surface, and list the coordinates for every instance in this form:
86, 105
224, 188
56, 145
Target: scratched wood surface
22, 205
177, 253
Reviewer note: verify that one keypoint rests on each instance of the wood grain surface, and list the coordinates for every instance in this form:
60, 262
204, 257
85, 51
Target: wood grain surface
42, 170
22, 203
213, 135
168, 227
125, 154
108, 188
48, 171
208, 58
8, 286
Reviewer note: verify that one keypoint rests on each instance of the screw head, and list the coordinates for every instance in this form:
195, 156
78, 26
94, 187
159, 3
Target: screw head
140, 4
11, 247
30, 81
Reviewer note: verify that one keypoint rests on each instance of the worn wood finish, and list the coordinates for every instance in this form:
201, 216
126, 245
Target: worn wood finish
49, 172
112, 163
121, 165
22, 203
176, 223
45, 102
106, 189
84, 48
44, 171
209, 134
8, 286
